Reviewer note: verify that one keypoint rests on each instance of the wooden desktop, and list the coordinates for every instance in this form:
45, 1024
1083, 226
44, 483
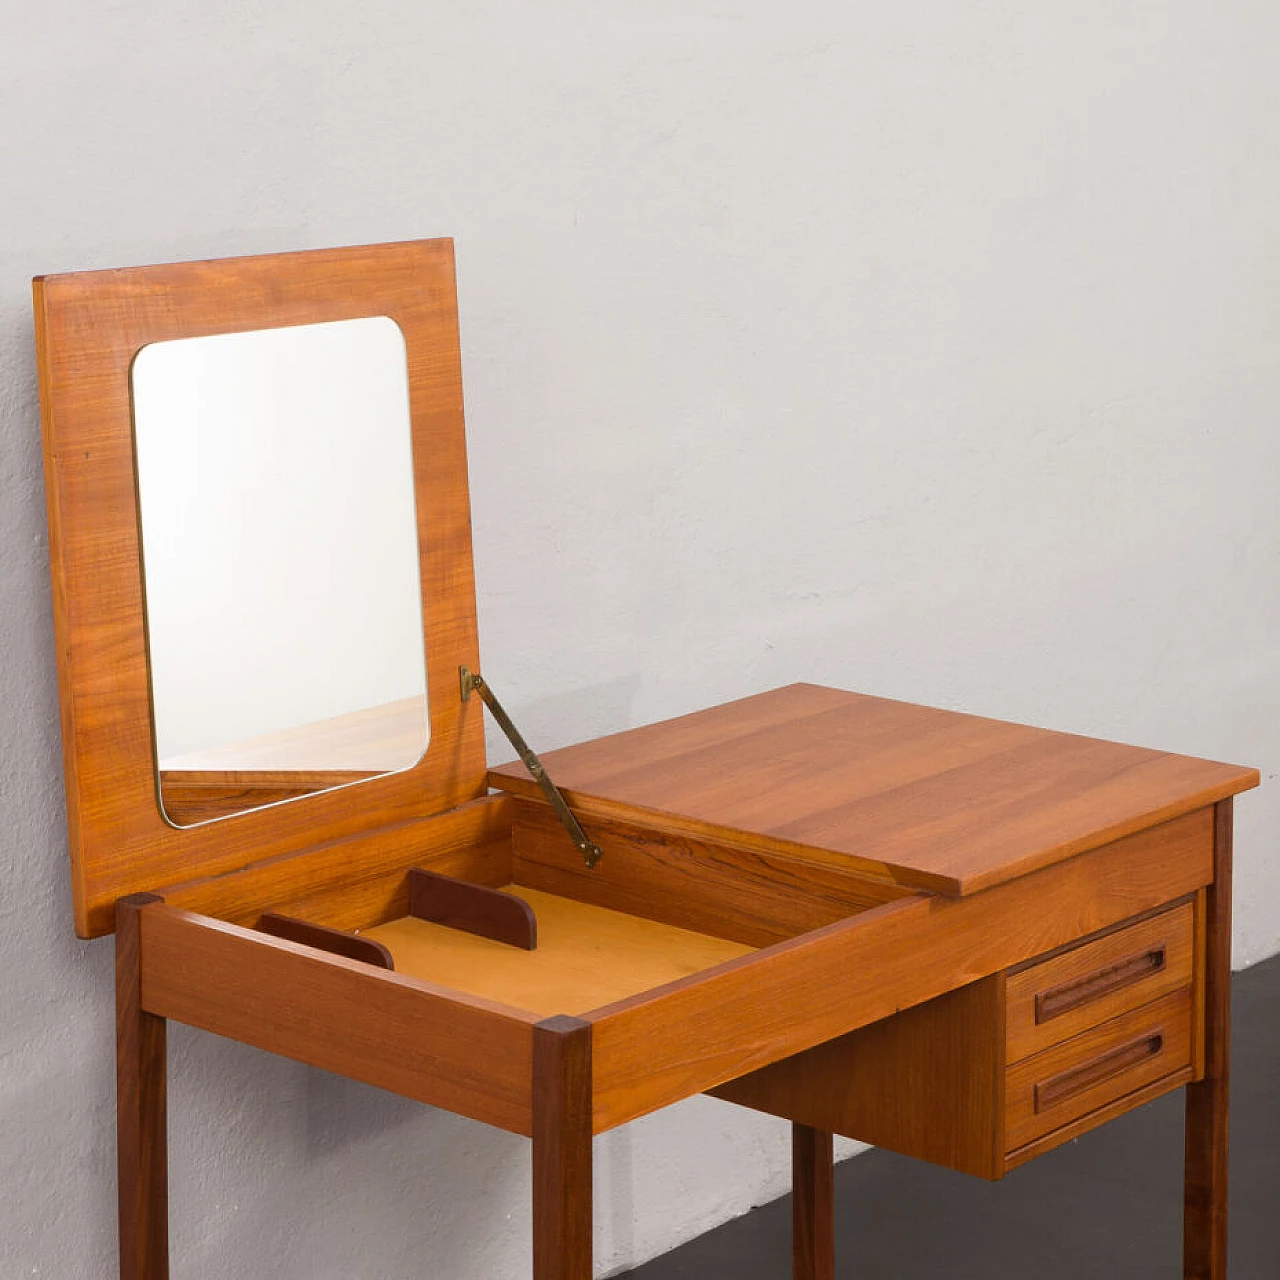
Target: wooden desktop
964, 939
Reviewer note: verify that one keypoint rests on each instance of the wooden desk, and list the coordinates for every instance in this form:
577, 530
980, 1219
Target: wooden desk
965, 939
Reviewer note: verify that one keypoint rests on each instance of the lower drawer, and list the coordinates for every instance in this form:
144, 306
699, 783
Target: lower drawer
1090, 1071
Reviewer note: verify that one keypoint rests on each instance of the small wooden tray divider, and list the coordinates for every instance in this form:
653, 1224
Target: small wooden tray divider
473, 908
445, 900
338, 942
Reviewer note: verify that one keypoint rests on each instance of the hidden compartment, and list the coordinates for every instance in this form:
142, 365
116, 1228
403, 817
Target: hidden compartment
494, 901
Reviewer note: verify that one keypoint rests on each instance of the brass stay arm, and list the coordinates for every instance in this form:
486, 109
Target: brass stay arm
469, 680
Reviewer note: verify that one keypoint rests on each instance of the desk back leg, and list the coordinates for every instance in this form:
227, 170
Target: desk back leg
562, 1149
1204, 1252
813, 1249
141, 1115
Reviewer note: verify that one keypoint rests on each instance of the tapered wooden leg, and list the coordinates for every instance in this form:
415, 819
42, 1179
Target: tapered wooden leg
562, 1149
141, 1118
1204, 1250
813, 1241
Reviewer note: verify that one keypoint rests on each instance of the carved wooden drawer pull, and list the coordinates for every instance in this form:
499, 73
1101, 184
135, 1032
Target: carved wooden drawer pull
1049, 1093
1080, 991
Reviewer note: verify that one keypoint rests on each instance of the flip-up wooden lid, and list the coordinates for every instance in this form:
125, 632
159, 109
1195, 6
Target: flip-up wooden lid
89, 328
931, 799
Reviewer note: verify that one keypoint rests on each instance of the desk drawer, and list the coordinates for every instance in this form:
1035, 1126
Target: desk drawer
972, 1081
1086, 1073
1053, 1000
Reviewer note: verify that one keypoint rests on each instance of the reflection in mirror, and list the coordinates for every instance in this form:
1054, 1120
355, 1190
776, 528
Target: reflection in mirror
280, 551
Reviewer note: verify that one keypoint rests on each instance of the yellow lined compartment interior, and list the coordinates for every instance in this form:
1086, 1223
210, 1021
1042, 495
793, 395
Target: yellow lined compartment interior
586, 956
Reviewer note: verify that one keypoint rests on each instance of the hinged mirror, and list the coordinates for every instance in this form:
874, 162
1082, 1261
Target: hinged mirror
284, 615
261, 555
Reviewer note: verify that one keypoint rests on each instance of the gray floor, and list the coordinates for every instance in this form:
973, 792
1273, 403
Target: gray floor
1108, 1205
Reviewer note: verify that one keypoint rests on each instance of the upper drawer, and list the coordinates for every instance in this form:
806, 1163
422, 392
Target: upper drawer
1080, 988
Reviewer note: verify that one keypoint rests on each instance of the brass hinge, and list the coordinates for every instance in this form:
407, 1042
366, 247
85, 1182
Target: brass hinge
469, 680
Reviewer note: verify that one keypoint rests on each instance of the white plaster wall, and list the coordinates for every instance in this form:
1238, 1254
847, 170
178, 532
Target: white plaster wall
926, 348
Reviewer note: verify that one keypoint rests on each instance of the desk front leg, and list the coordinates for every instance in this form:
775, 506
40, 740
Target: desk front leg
562, 1149
1204, 1253
813, 1248
141, 1114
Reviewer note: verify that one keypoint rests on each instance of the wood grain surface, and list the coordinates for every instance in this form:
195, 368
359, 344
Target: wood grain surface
933, 1081
474, 908
562, 1218
793, 995
1101, 1115
1108, 1062
1105, 977
89, 327
749, 897
471, 1056
928, 798
142, 1160
927, 1083
1205, 1206
586, 956
813, 1226
360, 880
337, 942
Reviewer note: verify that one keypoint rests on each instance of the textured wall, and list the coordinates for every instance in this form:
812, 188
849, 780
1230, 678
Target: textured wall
927, 348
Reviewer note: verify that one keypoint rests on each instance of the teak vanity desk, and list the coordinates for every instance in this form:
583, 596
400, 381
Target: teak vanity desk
958, 938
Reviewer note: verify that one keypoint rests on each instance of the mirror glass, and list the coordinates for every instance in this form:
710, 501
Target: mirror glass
280, 554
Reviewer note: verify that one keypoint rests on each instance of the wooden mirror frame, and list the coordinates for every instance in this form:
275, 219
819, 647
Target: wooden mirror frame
89, 328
